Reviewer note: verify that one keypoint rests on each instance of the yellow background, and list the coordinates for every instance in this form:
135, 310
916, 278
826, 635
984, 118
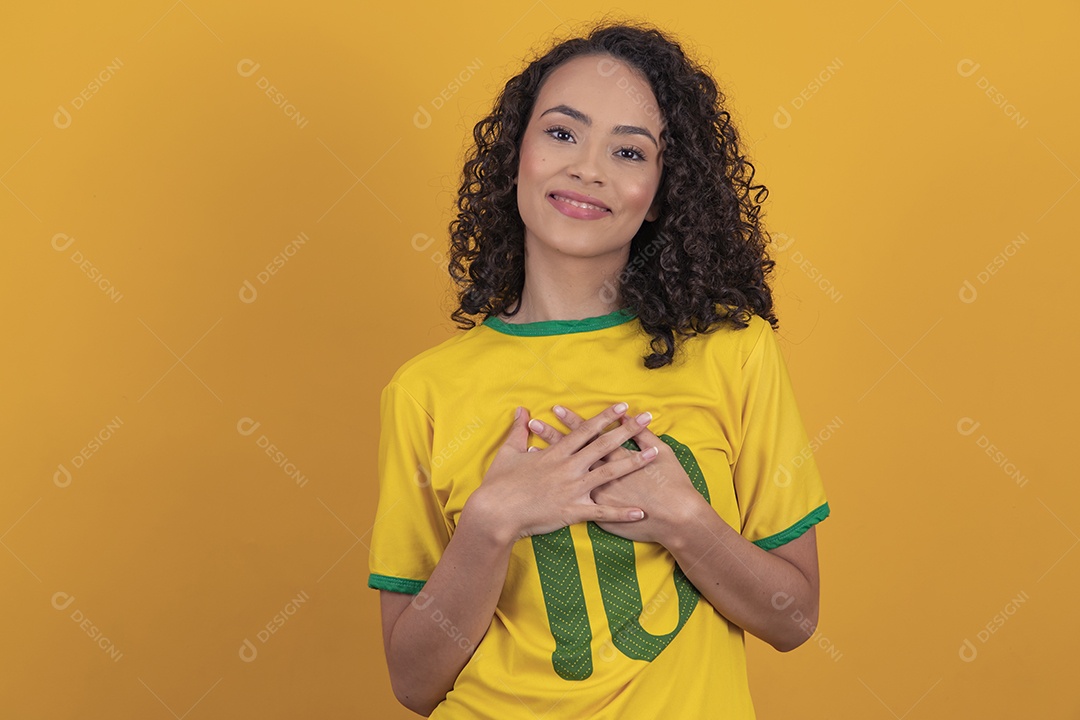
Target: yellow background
895, 181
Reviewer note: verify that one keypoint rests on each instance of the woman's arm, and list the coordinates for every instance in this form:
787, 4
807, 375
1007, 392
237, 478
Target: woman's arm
430, 637
772, 594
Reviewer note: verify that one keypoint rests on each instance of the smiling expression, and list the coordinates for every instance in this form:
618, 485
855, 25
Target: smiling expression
590, 158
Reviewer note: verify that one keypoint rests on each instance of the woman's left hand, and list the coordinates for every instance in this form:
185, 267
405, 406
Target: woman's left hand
661, 488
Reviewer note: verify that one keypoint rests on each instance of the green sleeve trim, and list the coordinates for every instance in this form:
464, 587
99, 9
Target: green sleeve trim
395, 584
786, 536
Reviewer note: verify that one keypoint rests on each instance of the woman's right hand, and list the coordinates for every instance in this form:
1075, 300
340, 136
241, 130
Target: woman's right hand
530, 493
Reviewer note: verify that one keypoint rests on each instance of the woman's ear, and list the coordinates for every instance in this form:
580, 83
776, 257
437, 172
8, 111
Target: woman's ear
654, 209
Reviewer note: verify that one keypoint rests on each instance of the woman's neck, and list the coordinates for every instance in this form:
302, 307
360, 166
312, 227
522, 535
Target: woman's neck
533, 309
568, 290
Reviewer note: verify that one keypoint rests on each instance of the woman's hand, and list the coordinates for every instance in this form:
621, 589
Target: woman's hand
661, 488
530, 493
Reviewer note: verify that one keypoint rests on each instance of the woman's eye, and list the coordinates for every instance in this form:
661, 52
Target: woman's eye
627, 153
556, 131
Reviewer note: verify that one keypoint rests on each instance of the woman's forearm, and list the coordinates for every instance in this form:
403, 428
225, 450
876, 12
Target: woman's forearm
753, 588
437, 633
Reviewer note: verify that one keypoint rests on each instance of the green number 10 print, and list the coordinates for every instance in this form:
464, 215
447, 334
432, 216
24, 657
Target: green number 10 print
560, 580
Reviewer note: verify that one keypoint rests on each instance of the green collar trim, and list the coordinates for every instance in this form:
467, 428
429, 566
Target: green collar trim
561, 327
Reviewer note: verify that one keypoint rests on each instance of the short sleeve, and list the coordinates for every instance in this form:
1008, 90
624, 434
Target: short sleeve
410, 531
777, 481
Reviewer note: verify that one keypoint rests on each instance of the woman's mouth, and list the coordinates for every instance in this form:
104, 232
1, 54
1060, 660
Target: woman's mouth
576, 208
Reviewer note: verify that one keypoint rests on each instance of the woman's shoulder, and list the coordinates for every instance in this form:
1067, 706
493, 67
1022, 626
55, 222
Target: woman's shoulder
728, 335
444, 361
724, 345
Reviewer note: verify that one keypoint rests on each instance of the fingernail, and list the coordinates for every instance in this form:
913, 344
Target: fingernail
559, 410
644, 418
651, 452
636, 514
621, 407
517, 412
535, 425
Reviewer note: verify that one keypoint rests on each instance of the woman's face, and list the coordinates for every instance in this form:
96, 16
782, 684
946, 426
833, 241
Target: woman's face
593, 133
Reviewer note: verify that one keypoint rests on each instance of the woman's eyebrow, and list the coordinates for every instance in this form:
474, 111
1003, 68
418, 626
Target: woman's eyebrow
587, 121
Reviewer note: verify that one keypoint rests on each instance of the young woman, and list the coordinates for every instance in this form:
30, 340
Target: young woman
568, 528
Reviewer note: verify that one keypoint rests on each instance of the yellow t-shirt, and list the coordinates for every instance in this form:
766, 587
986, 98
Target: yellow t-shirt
590, 625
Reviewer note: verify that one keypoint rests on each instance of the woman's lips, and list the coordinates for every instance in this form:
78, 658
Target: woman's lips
573, 209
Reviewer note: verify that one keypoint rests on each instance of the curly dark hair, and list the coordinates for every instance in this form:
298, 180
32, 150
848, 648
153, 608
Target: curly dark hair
701, 264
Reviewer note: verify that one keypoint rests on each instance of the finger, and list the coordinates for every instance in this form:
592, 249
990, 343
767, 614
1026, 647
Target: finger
646, 437
588, 430
545, 431
569, 418
518, 436
611, 513
572, 420
637, 435
616, 469
633, 461
619, 452
608, 444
